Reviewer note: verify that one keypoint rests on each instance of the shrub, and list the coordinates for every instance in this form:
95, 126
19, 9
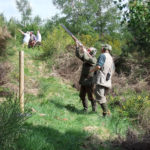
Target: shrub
89, 40
137, 21
56, 42
4, 37
4, 70
2, 20
116, 43
11, 121
131, 105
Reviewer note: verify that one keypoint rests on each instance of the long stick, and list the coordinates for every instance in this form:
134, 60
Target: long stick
21, 80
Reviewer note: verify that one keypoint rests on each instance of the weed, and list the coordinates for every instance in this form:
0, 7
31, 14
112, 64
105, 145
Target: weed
11, 121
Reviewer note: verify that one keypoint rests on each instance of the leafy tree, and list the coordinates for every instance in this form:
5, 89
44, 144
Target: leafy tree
74, 14
25, 9
35, 24
2, 20
37, 20
87, 16
50, 24
56, 43
12, 26
91, 18
105, 17
137, 19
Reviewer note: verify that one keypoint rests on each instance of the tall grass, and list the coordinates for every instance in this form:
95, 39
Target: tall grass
11, 122
4, 37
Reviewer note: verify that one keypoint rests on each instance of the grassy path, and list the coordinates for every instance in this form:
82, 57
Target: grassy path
57, 121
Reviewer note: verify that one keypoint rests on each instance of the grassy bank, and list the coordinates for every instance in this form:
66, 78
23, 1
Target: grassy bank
57, 120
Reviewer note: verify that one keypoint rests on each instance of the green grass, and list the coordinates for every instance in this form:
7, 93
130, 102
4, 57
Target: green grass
63, 123
58, 122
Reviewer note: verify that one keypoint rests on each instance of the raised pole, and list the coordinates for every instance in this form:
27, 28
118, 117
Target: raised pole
21, 80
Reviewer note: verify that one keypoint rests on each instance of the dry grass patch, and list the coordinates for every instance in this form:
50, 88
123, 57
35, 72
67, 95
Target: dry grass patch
4, 37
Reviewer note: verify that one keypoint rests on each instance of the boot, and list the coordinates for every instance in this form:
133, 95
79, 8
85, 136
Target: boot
105, 109
93, 103
85, 105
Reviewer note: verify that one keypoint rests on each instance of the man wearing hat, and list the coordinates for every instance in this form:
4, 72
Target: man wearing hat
86, 79
104, 70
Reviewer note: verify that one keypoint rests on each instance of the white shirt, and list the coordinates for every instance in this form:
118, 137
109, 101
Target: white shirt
38, 37
26, 38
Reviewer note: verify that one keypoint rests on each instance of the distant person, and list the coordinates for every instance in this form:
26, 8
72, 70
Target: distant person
38, 38
87, 88
32, 40
104, 71
26, 38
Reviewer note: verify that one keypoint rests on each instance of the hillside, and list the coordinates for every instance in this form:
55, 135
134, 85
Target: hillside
57, 120
130, 73
54, 118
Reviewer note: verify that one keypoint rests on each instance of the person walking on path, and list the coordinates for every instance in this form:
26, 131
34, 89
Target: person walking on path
104, 70
86, 79
26, 38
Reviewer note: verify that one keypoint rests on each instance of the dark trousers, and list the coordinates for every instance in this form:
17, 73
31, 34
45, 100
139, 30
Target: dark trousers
89, 90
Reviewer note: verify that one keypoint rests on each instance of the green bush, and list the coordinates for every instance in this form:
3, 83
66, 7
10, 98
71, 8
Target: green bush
137, 21
56, 42
130, 104
89, 40
4, 38
2, 20
116, 43
11, 121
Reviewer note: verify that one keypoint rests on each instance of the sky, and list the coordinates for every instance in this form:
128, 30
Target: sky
44, 8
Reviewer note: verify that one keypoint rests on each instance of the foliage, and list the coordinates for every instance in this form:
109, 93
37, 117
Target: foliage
137, 18
63, 119
4, 70
95, 22
12, 25
28, 23
48, 26
88, 16
4, 38
56, 42
25, 10
126, 40
115, 42
89, 40
130, 104
34, 25
37, 20
11, 121
2, 20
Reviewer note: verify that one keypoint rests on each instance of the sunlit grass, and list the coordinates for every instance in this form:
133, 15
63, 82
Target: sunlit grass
57, 121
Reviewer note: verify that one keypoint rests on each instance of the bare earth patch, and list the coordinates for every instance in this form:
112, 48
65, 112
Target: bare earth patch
97, 139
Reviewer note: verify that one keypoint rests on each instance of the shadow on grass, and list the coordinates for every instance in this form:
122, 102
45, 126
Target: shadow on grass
69, 107
47, 138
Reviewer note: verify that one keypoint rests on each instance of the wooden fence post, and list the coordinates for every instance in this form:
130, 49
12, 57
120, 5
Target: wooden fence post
21, 80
